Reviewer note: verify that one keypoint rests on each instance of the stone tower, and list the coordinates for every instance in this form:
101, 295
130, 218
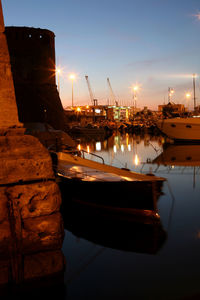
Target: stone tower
32, 57
8, 107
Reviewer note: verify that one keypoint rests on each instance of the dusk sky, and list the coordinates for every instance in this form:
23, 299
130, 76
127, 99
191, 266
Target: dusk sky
155, 43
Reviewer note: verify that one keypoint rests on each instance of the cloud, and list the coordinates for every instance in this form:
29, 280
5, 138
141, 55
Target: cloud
152, 62
146, 63
197, 16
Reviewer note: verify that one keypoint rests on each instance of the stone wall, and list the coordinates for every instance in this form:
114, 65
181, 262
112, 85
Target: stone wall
30, 219
31, 227
9, 114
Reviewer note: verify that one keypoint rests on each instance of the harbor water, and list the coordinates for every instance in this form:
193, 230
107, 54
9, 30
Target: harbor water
116, 261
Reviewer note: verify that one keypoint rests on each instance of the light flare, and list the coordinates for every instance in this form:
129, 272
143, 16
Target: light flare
136, 160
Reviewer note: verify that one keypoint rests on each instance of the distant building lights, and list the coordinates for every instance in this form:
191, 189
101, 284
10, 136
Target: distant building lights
98, 146
136, 160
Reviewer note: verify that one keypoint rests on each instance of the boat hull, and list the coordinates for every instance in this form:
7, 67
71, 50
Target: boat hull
123, 199
181, 129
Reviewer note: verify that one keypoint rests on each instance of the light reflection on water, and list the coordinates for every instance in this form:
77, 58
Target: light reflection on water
99, 272
125, 150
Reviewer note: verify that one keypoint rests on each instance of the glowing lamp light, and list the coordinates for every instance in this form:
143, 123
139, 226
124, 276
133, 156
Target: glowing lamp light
88, 149
98, 146
129, 147
187, 95
136, 160
115, 149
122, 148
78, 109
58, 70
79, 147
72, 76
135, 88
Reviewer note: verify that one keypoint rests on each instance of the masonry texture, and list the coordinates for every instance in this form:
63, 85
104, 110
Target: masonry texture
31, 227
32, 53
8, 114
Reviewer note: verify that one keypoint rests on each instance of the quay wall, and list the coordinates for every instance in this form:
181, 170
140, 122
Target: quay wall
31, 226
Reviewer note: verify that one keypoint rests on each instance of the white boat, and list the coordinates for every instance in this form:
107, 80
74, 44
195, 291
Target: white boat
181, 129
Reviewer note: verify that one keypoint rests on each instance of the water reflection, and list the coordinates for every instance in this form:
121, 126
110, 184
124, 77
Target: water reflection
134, 234
179, 155
124, 274
124, 150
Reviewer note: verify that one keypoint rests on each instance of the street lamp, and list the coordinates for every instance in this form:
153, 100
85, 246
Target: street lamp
72, 77
188, 96
170, 93
135, 88
194, 89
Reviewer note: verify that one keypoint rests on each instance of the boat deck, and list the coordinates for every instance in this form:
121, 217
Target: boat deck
88, 174
75, 166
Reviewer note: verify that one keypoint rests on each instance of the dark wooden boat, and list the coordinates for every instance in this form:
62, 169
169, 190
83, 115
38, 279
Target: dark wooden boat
105, 189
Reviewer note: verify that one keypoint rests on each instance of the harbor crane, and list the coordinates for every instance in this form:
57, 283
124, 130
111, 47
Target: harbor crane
114, 102
94, 101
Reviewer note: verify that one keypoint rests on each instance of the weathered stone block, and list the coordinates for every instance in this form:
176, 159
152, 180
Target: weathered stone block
4, 271
5, 239
3, 205
43, 264
42, 233
32, 200
23, 158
